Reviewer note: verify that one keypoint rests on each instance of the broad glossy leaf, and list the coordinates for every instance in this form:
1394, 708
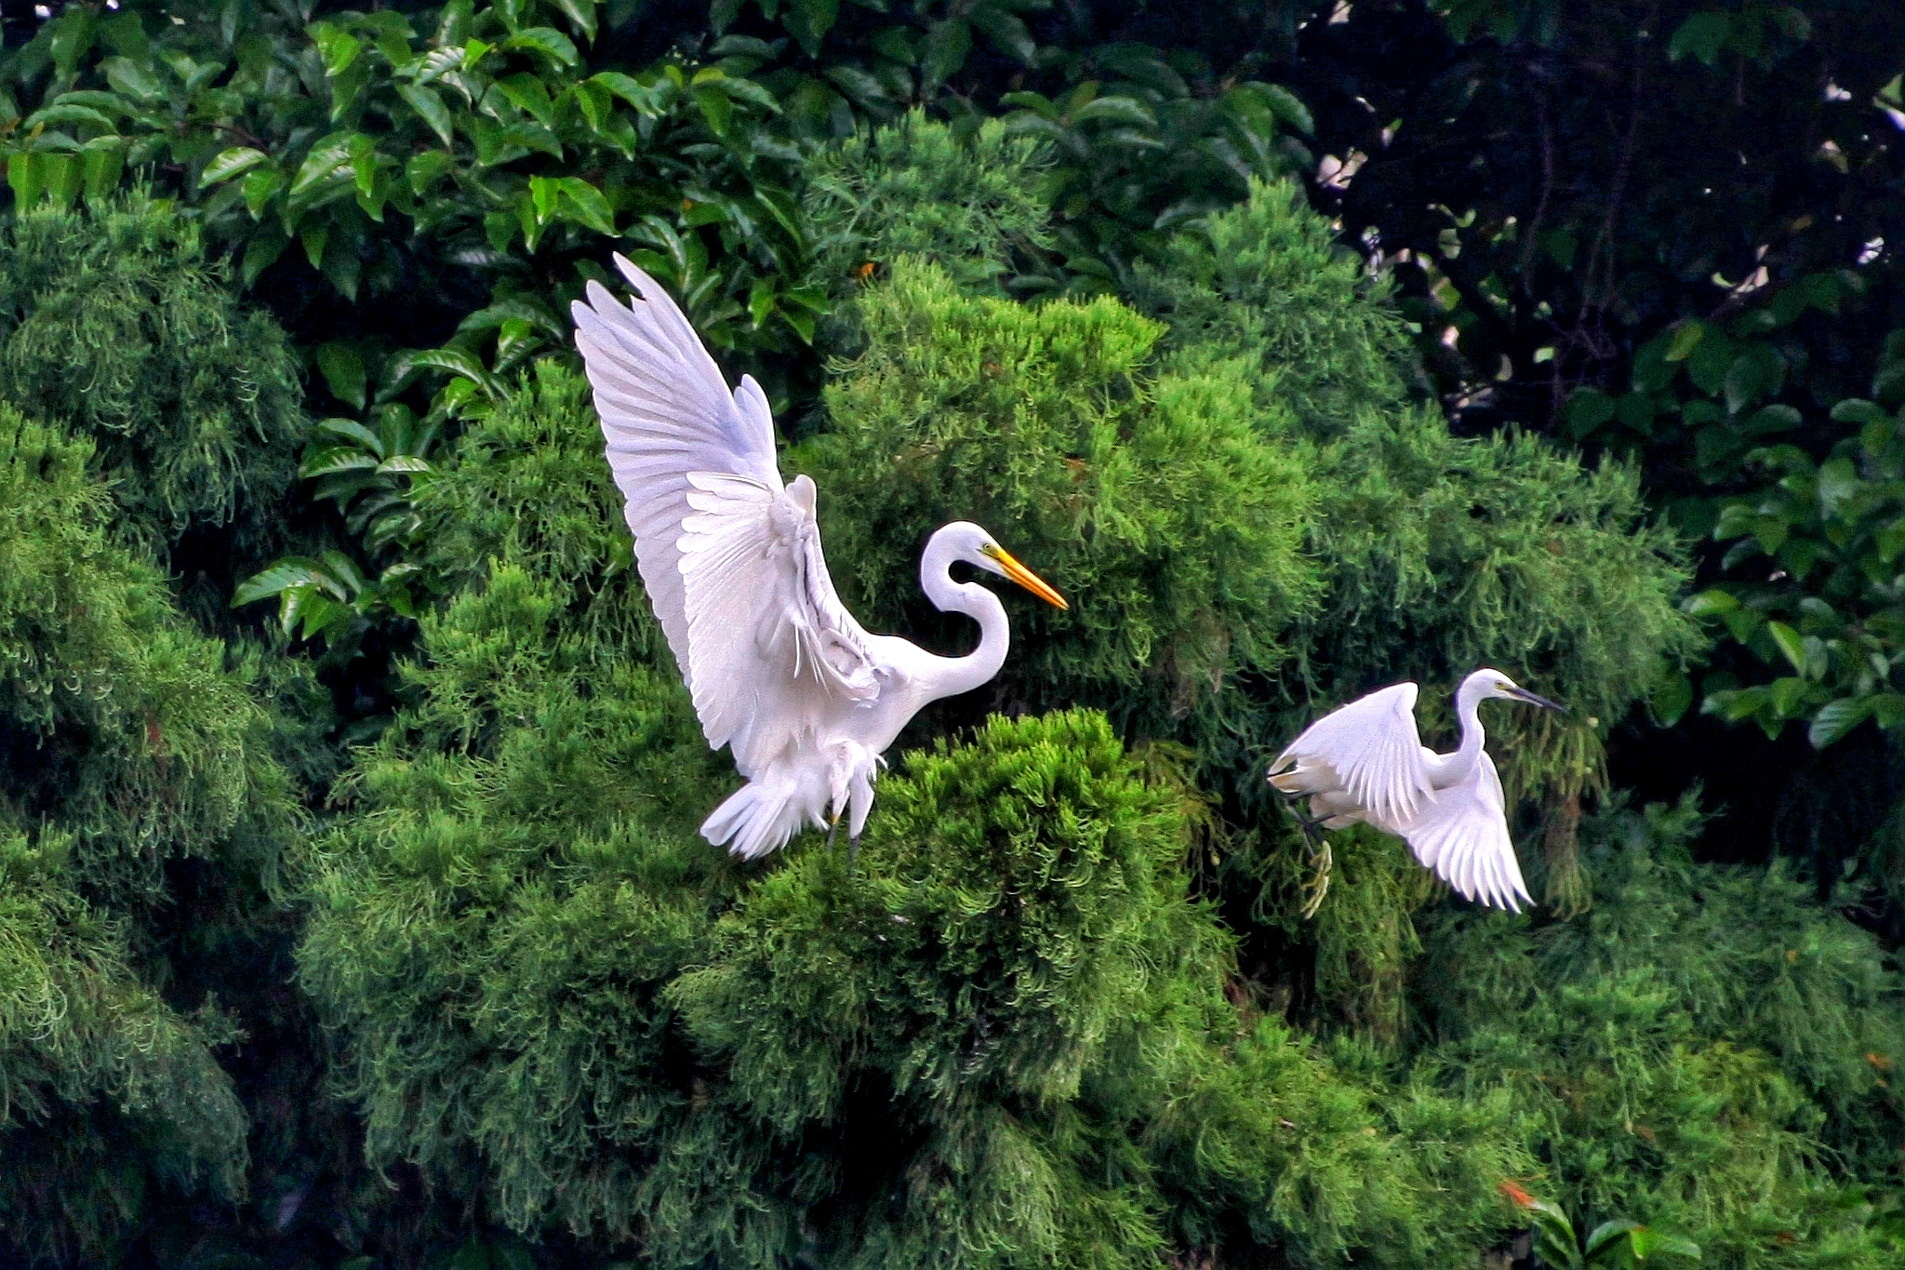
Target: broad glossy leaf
132, 78
352, 430
947, 43
581, 15
1685, 337
430, 108
338, 48
1789, 643
1608, 1232
547, 41
644, 99
343, 371
26, 176
1006, 31
336, 461
292, 571
586, 205
1835, 719
59, 114
230, 163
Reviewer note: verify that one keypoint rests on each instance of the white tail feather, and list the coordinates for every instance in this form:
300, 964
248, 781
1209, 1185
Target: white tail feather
759, 817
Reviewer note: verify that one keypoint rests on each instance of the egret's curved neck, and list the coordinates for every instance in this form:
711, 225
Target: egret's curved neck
955, 675
1460, 765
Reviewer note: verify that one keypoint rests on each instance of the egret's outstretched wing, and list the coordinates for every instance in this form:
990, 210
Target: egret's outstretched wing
1462, 834
767, 635
1369, 750
730, 557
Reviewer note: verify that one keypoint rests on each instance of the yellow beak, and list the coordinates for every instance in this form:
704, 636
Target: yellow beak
1025, 577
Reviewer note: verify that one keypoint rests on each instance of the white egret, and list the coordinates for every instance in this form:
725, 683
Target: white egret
778, 669
1366, 764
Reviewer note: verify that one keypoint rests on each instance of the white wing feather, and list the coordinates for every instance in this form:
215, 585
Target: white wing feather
730, 556
1462, 835
1369, 749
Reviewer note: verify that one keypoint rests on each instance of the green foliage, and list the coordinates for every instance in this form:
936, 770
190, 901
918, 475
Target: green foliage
129, 744
1709, 1046
1013, 925
1008, 1023
1684, 249
491, 928
524, 829
1815, 590
520, 939
123, 724
1167, 487
395, 143
917, 189
1150, 497
528, 486
106, 1092
1472, 552
114, 323
1269, 284
1136, 157
1446, 552
1442, 553
1622, 1242
1023, 1031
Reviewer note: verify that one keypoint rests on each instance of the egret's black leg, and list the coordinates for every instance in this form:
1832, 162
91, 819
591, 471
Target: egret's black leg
853, 851
1312, 827
832, 826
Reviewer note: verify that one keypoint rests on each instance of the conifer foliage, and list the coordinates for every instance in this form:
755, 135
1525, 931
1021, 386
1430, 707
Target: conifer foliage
128, 744
118, 326
557, 996
405, 950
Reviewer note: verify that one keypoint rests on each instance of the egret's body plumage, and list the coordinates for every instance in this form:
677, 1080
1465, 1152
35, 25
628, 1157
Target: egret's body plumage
1365, 763
779, 671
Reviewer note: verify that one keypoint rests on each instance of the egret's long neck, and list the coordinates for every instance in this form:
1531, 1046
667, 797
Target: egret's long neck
1460, 765
963, 674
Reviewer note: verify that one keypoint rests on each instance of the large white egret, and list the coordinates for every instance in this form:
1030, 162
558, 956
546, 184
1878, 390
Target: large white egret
778, 669
1366, 764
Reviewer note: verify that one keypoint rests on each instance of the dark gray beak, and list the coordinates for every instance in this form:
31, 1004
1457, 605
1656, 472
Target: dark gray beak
1534, 699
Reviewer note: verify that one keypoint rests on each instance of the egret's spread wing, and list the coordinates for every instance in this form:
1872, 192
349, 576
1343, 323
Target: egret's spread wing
666, 412
1369, 750
730, 557
1462, 834
767, 635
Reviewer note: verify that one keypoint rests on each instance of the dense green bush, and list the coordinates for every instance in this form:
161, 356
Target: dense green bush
116, 324
1709, 1045
1256, 515
1152, 499
129, 746
916, 189
489, 988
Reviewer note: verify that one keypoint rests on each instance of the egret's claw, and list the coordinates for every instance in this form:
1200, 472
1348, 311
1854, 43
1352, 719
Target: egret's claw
1321, 858
1319, 884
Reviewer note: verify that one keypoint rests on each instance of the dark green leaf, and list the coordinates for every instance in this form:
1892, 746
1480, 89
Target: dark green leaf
1701, 35
343, 371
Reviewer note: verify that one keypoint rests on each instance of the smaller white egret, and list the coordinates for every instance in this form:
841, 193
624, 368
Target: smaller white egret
1366, 764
